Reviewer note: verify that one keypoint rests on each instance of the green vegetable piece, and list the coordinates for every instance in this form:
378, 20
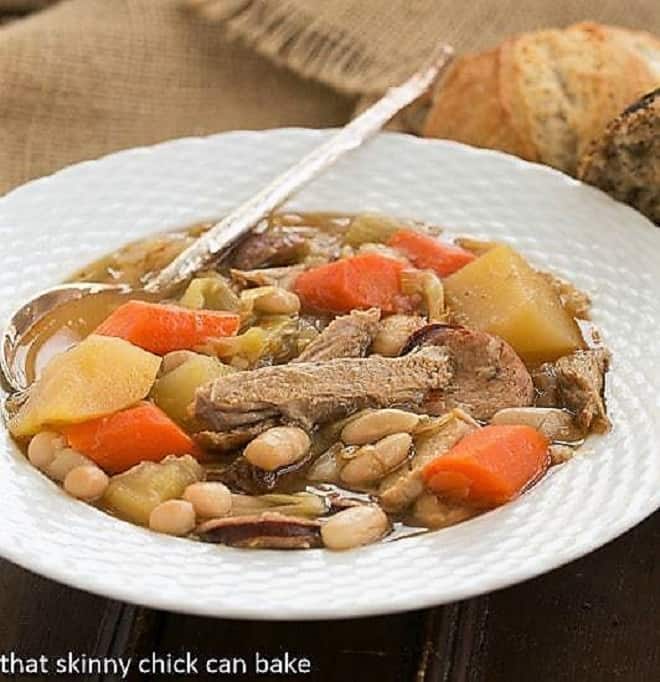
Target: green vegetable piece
210, 293
134, 494
369, 228
175, 391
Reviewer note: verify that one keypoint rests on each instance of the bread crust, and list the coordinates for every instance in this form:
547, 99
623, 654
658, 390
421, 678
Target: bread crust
471, 106
545, 95
625, 160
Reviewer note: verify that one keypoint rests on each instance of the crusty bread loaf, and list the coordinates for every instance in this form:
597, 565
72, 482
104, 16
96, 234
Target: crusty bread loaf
545, 95
476, 116
625, 160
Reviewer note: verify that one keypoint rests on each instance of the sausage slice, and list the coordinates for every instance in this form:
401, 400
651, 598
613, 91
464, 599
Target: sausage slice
488, 374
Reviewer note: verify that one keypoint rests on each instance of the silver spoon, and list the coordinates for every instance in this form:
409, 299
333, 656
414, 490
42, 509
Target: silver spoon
233, 227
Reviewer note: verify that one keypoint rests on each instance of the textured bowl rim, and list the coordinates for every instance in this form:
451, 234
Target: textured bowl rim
320, 610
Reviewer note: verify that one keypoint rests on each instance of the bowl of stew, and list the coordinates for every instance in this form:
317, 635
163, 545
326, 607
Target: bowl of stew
416, 382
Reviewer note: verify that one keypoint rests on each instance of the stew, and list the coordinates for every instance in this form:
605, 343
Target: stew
334, 381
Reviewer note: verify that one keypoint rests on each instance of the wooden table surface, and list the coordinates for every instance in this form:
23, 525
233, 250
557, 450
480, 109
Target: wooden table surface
595, 620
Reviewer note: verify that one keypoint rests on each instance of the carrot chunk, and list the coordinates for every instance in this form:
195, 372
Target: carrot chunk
360, 282
143, 433
489, 466
163, 328
428, 253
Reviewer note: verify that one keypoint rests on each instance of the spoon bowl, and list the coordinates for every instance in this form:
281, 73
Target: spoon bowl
26, 323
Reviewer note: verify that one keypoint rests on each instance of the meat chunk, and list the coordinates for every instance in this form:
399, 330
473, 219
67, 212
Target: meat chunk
581, 385
348, 336
269, 530
545, 385
576, 302
576, 382
227, 441
311, 393
241, 475
273, 247
488, 375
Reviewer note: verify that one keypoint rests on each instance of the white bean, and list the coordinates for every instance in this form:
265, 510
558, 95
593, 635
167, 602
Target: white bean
173, 517
175, 359
326, 467
375, 425
278, 302
86, 482
64, 461
277, 447
210, 499
552, 422
373, 462
393, 332
354, 527
43, 447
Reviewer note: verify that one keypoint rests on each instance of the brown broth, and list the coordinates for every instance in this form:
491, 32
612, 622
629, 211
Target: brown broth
70, 323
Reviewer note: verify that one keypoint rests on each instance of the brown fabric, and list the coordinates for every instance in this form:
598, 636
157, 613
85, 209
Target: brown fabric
22, 5
362, 46
86, 77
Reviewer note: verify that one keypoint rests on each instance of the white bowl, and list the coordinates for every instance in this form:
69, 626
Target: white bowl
52, 226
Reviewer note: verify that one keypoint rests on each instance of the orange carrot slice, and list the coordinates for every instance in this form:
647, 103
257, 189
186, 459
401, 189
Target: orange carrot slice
360, 282
117, 442
163, 328
489, 466
428, 253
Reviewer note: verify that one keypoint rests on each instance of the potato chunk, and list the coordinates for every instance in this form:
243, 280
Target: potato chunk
101, 375
500, 293
175, 391
134, 494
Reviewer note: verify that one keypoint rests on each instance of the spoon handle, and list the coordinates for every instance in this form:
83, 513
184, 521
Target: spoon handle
240, 221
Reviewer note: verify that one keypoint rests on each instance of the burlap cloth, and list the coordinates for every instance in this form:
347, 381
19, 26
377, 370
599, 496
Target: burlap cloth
85, 77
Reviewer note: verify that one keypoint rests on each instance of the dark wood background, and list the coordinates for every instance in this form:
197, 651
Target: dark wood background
595, 620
